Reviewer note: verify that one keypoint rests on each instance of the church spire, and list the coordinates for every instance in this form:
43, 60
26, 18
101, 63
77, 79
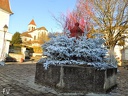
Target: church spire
5, 5
32, 22
32, 25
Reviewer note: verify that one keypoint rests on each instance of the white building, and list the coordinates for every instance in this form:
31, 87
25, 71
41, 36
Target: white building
121, 52
31, 37
34, 37
5, 36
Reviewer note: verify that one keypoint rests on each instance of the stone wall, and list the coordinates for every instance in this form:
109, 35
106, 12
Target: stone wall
69, 78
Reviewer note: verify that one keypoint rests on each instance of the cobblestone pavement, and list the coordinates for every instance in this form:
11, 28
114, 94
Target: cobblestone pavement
18, 80
122, 83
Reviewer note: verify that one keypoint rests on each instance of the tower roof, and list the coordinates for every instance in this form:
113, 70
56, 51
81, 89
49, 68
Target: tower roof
32, 22
5, 5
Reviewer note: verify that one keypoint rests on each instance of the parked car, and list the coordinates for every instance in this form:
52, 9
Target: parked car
10, 59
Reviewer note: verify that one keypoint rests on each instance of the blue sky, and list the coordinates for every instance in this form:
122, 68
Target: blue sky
39, 10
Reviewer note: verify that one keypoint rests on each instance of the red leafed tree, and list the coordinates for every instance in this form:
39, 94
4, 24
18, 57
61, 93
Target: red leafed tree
73, 18
81, 15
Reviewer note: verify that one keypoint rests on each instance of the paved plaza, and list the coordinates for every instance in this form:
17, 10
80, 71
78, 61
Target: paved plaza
18, 80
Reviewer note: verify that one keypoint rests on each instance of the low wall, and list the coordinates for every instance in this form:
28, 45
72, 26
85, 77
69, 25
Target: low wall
16, 56
36, 54
76, 78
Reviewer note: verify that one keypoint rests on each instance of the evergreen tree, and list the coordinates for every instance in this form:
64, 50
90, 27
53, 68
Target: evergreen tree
82, 51
16, 39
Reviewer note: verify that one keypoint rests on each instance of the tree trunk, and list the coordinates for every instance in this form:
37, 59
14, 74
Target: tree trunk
112, 56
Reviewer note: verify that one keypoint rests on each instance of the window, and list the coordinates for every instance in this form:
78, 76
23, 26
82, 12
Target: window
34, 37
25, 39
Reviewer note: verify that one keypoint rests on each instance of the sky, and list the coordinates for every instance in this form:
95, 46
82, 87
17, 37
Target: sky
42, 11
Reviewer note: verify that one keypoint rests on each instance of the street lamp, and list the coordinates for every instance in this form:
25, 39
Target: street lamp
5, 29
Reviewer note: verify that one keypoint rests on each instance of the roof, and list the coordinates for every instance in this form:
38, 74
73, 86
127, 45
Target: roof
26, 34
32, 22
5, 5
42, 28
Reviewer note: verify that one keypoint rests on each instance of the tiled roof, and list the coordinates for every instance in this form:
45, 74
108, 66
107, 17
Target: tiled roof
32, 22
5, 5
26, 34
41, 28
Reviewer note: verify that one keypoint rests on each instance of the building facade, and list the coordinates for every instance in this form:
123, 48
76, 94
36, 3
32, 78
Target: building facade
5, 36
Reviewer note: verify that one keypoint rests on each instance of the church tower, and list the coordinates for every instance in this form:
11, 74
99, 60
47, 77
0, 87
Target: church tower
32, 25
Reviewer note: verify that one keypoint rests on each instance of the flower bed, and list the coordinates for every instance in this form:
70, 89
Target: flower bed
76, 65
75, 78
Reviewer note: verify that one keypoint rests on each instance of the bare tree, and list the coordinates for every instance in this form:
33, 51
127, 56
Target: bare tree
110, 17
